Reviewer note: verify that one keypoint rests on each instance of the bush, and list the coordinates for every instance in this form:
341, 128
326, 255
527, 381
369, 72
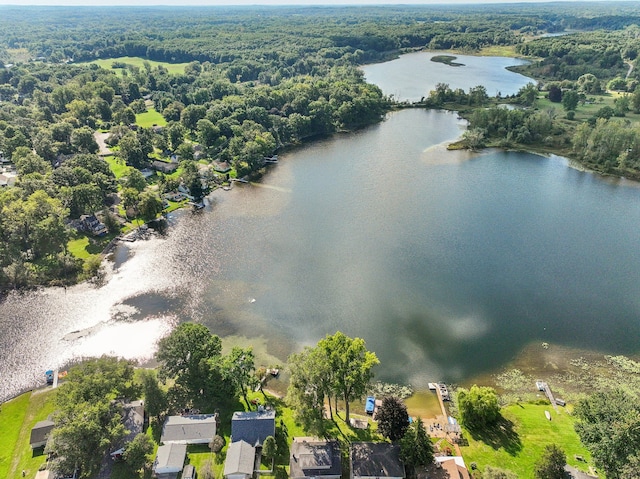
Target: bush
216, 444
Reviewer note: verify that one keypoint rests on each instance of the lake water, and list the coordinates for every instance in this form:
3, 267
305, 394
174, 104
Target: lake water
412, 76
447, 263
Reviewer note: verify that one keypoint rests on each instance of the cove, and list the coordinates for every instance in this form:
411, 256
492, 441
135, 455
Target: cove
446, 263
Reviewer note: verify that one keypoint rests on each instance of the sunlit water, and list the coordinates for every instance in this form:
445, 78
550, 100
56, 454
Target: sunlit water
446, 263
412, 76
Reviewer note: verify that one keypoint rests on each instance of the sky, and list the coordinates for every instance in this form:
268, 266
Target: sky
259, 2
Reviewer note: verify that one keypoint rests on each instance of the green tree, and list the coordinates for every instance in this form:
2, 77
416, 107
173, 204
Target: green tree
551, 464
149, 205
393, 418
138, 452
608, 423
269, 448
416, 449
186, 355
351, 364
155, 398
238, 367
135, 180
83, 141
478, 406
570, 100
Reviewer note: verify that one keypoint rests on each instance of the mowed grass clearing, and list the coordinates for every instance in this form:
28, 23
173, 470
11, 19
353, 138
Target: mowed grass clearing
17, 418
521, 447
150, 118
117, 166
172, 68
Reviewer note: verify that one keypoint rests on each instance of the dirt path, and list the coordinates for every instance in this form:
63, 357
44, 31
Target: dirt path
100, 139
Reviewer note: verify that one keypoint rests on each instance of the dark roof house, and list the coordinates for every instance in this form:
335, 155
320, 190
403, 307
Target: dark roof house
133, 420
313, 458
241, 461
253, 427
40, 434
93, 225
194, 429
376, 460
164, 167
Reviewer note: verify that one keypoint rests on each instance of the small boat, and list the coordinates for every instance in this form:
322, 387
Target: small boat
548, 414
370, 405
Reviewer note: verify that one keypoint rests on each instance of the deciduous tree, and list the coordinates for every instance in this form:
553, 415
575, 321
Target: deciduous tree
478, 406
393, 418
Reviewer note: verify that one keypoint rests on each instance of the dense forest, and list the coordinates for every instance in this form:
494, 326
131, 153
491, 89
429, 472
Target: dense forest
251, 81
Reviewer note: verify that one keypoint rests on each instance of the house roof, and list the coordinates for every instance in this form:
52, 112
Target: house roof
240, 459
312, 457
40, 432
133, 420
170, 456
452, 467
253, 426
369, 459
189, 428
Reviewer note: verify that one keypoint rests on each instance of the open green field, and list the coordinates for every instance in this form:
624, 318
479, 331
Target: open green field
586, 110
117, 166
520, 442
173, 68
150, 118
17, 417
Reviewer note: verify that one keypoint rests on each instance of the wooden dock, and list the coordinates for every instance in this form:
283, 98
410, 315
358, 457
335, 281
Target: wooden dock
543, 386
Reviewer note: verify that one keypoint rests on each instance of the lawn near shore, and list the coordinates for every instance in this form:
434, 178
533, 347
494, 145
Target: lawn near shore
521, 440
17, 417
107, 63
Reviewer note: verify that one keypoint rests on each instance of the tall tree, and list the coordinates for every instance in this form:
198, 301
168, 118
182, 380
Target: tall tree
416, 449
478, 406
393, 418
238, 366
351, 365
155, 398
551, 464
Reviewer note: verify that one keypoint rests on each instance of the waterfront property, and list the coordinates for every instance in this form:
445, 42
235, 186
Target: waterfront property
253, 427
195, 429
133, 419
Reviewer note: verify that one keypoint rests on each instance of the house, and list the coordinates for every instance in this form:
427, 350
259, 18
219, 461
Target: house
222, 167
253, 427
313, 458
40, 434
370, 460
241, 461
164, 167
133, 420
93, 225
194, 429
169, 459
452, 467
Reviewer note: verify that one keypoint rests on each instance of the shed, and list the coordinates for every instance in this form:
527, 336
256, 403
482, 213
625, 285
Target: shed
240, 461
40, 434
170, 458
189, 472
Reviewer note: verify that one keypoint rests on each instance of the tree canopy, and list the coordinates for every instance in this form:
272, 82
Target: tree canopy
478, 406
392, 418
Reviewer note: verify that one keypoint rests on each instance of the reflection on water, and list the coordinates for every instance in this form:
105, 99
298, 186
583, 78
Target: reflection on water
447, 268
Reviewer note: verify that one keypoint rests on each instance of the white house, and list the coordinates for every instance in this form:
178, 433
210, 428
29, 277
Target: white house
170, 459
240, 461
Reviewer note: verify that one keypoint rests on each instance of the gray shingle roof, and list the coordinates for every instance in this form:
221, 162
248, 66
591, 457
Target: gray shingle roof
253, 427
369, 459
314, 458
199, 428
170, 456
40, 432
240, 458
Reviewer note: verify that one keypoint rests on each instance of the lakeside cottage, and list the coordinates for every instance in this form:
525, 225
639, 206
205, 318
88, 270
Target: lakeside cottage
253, 427
169, 459
370, 460
40, 434
133, 419
241, 462
314, 458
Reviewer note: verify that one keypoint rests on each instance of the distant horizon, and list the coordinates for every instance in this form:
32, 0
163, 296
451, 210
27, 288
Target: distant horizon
300, 3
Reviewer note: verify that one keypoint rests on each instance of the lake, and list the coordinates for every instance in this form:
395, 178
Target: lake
446, 263
412, 76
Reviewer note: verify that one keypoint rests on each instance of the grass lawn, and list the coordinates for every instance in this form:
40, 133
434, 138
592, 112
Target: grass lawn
173, 68
519, 444
150, 118
17, 417
117, 166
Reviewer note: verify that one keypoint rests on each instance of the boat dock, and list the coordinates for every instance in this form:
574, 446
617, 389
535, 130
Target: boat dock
543, 386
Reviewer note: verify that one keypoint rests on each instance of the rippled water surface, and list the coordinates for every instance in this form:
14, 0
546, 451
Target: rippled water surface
446, 263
